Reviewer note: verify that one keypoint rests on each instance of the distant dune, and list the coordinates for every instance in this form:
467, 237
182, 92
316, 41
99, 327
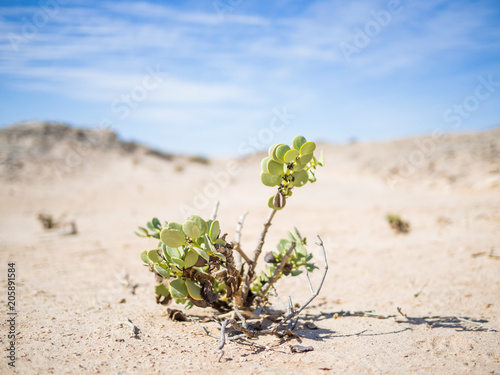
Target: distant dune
43, 150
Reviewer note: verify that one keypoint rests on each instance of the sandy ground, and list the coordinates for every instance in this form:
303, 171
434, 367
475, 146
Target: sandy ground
444, 275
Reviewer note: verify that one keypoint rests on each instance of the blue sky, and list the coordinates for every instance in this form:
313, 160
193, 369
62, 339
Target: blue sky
228, 77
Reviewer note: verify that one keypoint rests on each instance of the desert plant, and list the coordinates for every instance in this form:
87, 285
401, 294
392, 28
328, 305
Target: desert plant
398, 224
194, 262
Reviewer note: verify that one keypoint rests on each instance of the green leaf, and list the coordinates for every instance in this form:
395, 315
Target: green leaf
302, 239
162, 290
304, 159
321, 161
220, 241
296, 272
179, 263
172, 237
144, 231
300, 178
275, 168
154, 256
194, 290
214, 230
162, 271
307, 148
311, 176
281, 151
144, 257
264, 164
311, 267
156, 223
191, 229
191, 258
208, 245
201, 224
269, 180
301, 250
150, 226
172, 252
290, 156
273, 154
298, 141
202, 253
173, 225
178, 288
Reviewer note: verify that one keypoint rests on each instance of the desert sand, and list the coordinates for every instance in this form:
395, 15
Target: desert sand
73, 301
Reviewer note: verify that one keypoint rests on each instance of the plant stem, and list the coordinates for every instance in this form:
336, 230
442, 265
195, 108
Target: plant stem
251, 265
275, 277
237, 246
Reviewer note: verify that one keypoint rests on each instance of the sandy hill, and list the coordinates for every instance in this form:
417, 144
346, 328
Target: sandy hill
44, 151
73, 291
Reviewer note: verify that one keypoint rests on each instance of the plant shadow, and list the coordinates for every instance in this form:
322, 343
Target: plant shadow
451, 322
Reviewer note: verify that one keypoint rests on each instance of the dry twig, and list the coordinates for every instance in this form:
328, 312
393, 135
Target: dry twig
237, 246
251, 265
216, 209
273, 330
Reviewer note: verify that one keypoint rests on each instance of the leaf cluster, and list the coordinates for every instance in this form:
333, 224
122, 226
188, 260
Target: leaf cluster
288, 167
294, 265
184, 255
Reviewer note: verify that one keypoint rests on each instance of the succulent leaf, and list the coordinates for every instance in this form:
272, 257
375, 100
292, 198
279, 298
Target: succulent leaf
191, 258
269, 180
172, 252
201, 253
191, 229
174, 225
154, 256
194, 289
208, 245
273, 155
178, 288
281, 151
290, 156
298, 141
304, 159
172, 237
161, 271
201, 223
179, 263
312, 177
274, 168
162, 290
264, 164
214, 230
156, 223
145, 258
307, 148
300, 178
